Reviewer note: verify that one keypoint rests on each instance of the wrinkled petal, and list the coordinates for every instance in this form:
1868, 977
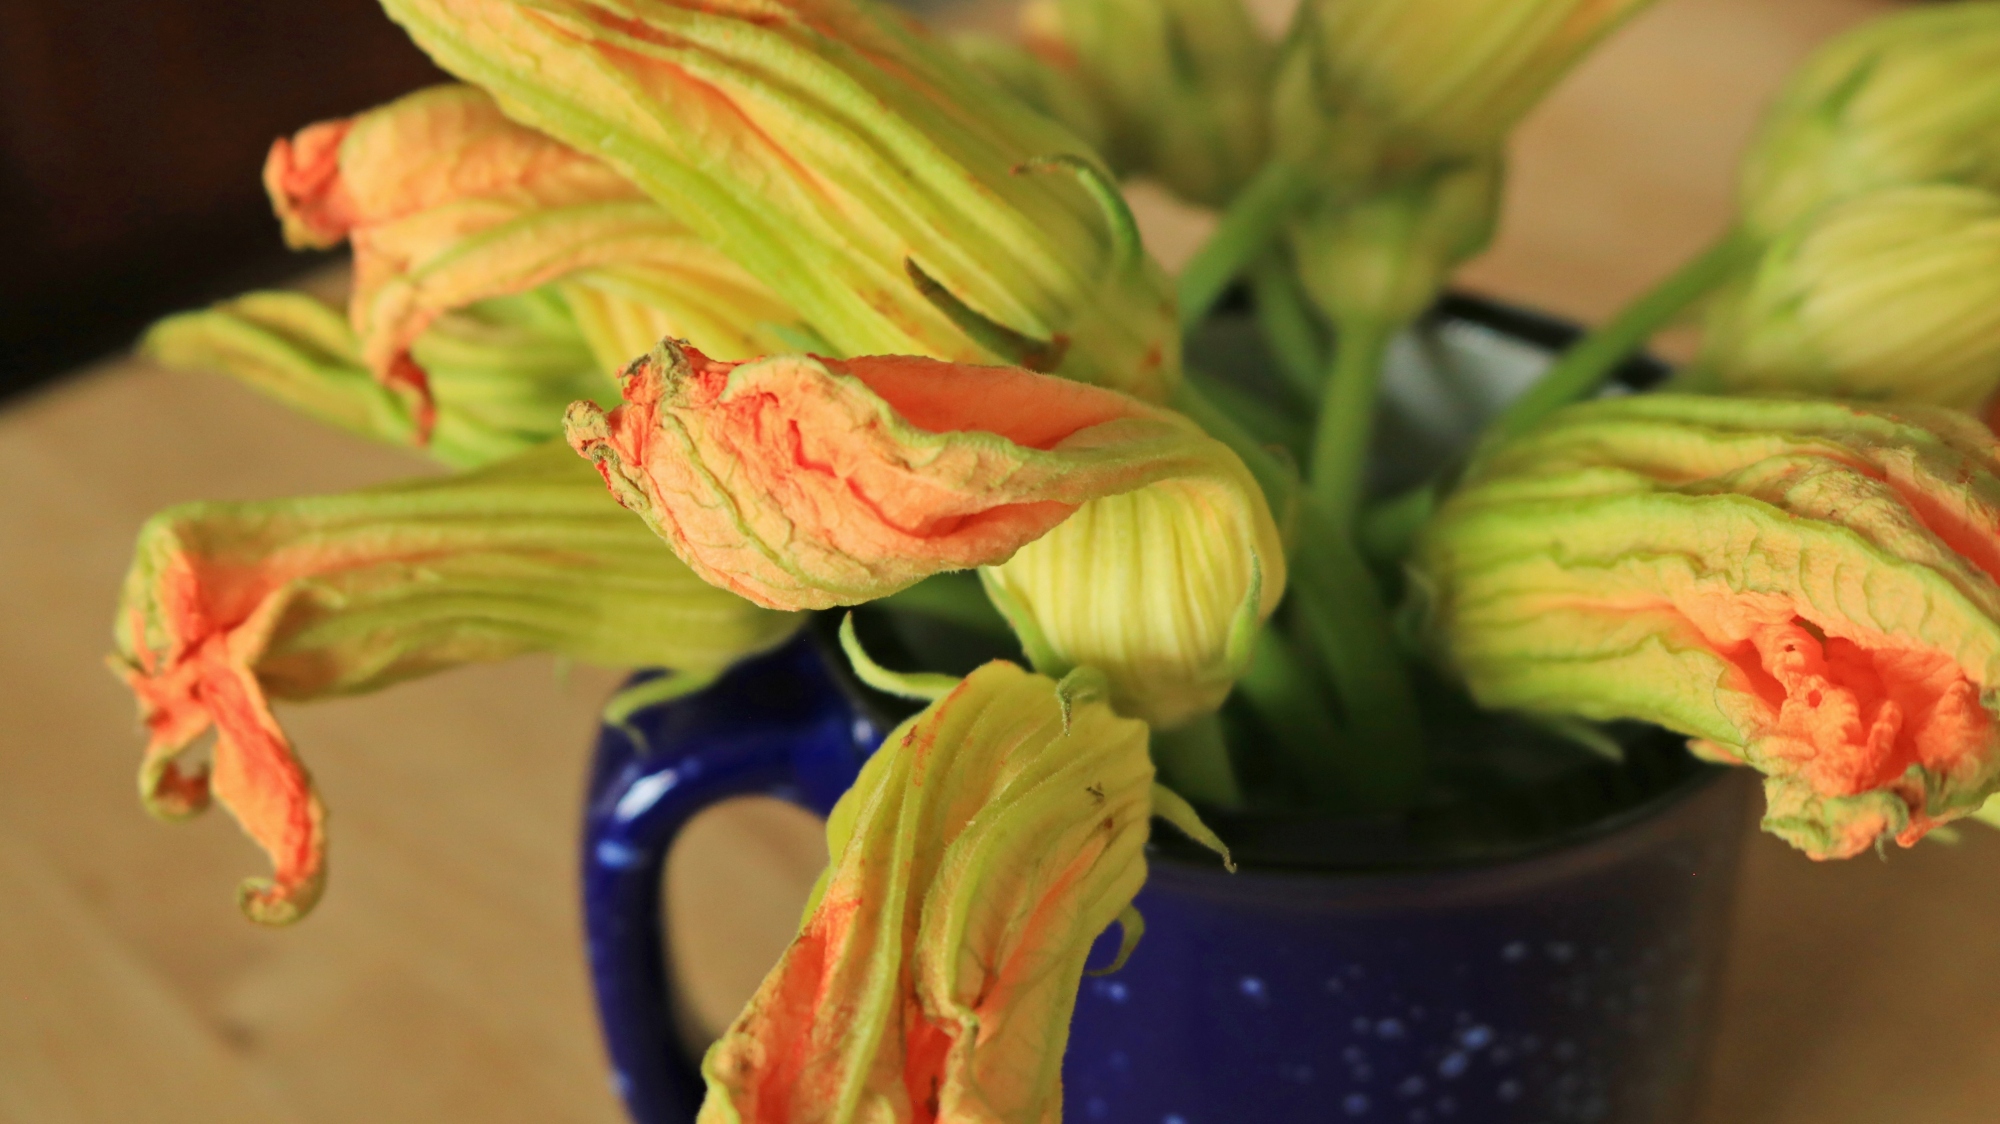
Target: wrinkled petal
773, 127
447, 203
1807, 587
229, 605
802, 482
984, 848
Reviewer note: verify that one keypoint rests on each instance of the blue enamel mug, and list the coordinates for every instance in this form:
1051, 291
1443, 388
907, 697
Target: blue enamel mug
1416, 971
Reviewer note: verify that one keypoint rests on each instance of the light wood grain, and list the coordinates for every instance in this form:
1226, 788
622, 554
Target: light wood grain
442, 980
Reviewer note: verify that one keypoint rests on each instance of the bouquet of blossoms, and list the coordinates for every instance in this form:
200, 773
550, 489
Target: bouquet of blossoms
723, 312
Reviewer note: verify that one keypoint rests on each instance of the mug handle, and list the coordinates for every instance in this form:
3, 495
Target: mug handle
778, 725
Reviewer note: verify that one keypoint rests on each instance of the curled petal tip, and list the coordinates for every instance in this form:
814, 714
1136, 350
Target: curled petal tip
586, 427
302, 175
276, 903
657, 372
170, 794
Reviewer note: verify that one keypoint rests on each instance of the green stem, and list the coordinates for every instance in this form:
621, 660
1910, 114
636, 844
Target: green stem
1346, 621
1342, 610
1585, 366
1247, 228
1289, 324
1293, 708
1390, 526
1347, 417
1269, 424
1194, 761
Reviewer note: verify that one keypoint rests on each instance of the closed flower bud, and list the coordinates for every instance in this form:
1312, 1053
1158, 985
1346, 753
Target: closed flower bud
1186, 83
1912, 97
1384, 255
1153, 587
1805, 587
447, 202
228, 606
982, 850
1406, 82
1397, 112
1892, 295
898, 201
802, 482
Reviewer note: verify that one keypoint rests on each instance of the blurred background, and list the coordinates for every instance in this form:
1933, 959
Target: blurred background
442, 979
131, 133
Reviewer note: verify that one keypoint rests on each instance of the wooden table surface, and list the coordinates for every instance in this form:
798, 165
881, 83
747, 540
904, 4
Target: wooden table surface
442, 978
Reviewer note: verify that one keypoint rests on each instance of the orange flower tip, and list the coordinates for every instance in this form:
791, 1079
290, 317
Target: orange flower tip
409, 379
302, 175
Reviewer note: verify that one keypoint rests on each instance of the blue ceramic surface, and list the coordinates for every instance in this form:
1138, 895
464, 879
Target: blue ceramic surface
1567, 985
777, 725
1572, 985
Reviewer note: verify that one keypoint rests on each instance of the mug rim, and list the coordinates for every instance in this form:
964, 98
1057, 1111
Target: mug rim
1184, 856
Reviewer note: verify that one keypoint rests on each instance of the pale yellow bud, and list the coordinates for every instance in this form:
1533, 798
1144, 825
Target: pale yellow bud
1894, 295
1435, 78
1398, 112
1385, 255
1162, 589
1911, 98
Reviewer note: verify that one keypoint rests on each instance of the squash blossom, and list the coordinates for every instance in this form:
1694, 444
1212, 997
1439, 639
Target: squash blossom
1404, 106
230, 605
983, 848
446, 202
1909, 98
500, 371
1806, 587
893, 197
803, 483
1185, 83
1893, 294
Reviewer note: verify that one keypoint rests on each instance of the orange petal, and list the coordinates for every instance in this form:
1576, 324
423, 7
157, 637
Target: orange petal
983, 849
230, 605
802, 482
201, 678
410, 181
257, 777
1805, 586
302, 176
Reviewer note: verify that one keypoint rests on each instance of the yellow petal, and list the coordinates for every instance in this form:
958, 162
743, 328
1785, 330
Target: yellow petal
984, 848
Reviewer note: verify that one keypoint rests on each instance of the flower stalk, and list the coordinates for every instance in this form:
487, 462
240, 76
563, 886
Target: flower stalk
1582, 369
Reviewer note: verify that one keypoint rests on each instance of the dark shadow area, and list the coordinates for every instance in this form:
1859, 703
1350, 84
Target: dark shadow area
132, 135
